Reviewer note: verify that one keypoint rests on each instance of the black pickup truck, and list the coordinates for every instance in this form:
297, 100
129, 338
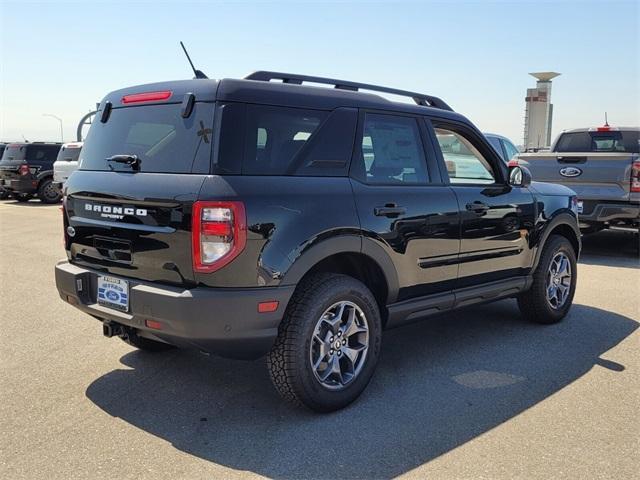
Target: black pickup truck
250, 217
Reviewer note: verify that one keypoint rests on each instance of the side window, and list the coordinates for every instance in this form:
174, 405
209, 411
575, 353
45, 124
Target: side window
465, 164
274, 137
392, 151
510, 149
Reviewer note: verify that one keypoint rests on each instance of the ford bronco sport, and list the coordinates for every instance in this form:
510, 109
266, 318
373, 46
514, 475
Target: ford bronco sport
27, 169
251, 216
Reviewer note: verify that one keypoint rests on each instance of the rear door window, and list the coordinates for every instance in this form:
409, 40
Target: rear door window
158, 135
392, 152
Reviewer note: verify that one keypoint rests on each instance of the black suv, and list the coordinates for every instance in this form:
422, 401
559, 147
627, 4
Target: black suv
27, 169
251, 217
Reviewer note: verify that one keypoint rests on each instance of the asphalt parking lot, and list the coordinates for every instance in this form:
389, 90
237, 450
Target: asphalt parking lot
475, 394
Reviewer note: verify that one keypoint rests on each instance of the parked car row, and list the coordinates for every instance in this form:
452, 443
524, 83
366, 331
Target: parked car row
29, 169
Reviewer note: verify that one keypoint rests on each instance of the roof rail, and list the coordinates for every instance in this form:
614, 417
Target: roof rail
419, 98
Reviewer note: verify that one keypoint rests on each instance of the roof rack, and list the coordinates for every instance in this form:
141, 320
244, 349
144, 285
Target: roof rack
419, 98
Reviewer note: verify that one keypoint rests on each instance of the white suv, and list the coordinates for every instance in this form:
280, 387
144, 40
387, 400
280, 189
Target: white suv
66, 163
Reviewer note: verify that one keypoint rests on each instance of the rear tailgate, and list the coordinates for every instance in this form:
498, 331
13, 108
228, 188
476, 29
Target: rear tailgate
593, 176
134, 219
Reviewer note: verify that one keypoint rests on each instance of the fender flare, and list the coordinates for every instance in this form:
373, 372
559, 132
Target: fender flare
562, 218
344, 244
44, 174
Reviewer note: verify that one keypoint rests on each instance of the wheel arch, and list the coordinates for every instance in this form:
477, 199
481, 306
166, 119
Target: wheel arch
563, 224
356, 256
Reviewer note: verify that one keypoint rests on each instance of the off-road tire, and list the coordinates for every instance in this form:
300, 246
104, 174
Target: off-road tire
288, 361
533, 303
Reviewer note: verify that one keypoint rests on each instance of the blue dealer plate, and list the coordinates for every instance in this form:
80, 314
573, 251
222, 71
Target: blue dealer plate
113, 293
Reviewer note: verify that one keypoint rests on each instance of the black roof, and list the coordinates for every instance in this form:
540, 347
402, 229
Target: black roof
284, 94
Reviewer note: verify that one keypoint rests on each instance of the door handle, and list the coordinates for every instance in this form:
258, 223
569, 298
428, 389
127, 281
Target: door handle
477, 207
389, 210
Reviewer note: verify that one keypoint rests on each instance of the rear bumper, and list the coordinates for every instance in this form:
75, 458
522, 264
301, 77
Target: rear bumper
611, 212
23, 184
221, 321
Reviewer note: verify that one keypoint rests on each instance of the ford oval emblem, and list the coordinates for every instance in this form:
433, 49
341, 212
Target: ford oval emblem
71, 231
570, 172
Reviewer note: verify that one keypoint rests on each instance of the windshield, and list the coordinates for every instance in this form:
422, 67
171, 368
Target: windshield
612, 141
158, 135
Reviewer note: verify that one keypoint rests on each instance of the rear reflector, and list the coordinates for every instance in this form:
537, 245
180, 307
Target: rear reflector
265, 307
24, 169
146, 97
153, 324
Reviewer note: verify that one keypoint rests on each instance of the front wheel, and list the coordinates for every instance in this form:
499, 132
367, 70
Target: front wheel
328, 343
554, 283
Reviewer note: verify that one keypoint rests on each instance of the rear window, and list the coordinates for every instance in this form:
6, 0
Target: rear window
613, 141
158, 135
31, 153
68, 154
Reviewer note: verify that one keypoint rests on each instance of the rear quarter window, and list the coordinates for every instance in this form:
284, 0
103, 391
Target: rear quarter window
158, 135
272, 140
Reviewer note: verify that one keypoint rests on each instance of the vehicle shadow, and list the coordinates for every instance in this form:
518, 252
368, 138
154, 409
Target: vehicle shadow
439, 384
613, 248
34, 202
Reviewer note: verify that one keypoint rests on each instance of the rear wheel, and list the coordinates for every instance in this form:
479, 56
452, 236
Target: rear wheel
3, 194
48, 193
21, 197
328, 343
554, 283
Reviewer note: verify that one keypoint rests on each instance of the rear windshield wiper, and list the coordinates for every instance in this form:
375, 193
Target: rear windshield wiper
132, 160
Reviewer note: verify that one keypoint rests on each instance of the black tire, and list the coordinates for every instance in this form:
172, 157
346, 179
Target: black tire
48, 193
533, 303
4, 194
145, 344
289, 360
21, 197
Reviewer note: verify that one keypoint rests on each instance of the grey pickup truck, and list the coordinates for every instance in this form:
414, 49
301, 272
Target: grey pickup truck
602, 166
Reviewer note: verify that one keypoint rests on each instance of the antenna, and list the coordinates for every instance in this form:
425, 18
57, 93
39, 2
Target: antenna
606, 121
24, 138
197, 73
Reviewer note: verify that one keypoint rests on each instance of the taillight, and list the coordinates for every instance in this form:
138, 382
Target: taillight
635, 177
218, 234
24, 169
512, 163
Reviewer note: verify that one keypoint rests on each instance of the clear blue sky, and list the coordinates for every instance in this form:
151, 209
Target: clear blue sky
62, 58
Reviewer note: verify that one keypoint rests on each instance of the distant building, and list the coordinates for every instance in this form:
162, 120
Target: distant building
539, 111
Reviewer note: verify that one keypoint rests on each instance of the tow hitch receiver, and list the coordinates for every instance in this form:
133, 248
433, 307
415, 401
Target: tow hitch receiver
112, 329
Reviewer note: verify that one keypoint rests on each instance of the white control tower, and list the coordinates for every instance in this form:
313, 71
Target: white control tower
539, 111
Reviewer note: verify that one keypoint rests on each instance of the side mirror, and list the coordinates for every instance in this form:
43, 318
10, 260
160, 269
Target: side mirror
519, 177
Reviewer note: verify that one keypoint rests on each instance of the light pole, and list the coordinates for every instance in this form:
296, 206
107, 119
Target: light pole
60, 120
